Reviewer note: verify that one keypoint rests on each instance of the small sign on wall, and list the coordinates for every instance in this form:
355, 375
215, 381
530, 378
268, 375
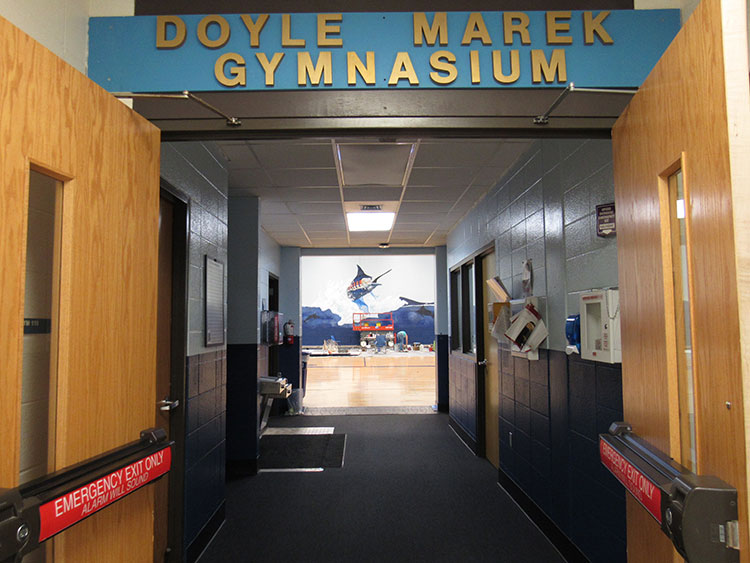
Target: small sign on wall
37, 326
214, 302
606, 223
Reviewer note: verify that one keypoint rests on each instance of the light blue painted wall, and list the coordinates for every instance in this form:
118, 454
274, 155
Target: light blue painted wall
441, 290
269, 262
199, 170
289, 286
544, 209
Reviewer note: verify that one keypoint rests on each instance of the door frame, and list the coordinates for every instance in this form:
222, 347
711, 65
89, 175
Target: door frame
474, 260
178, 418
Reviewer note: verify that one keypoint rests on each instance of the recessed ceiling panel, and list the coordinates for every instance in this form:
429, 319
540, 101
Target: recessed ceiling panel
374, 164
295, 154
372, 193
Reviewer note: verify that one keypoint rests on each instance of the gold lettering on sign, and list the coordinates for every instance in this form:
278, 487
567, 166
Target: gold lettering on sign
497, 67
355, 65
554, 27
322, 69
254, 27
476, 75
430, 33
237, 74
286, 33
443, 61
592, 25
180, 32
324, 29
224, 31
269, 67
403, 69
555, 66
476, 29
516, 22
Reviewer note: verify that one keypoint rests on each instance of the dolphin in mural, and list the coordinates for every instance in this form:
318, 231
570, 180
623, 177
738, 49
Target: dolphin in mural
423, 310
361, 285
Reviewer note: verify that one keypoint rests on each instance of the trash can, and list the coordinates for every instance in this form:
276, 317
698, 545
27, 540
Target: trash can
294, 402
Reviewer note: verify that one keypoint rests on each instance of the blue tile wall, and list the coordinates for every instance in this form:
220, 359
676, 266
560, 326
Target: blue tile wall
205, 446
544, 209
199, 171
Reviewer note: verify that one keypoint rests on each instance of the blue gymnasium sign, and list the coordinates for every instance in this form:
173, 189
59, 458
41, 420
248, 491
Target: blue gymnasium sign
378, 50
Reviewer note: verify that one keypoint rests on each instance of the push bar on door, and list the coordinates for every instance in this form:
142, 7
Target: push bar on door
36, 511
697, 512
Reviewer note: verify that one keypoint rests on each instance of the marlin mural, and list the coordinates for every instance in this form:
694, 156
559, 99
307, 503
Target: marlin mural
423, 310
362, 285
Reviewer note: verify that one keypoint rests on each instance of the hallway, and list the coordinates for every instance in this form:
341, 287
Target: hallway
409, 491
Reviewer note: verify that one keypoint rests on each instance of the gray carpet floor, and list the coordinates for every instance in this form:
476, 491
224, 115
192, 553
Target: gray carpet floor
409, 490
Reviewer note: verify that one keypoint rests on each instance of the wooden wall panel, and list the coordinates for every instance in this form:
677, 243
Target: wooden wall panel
108, 157
681, 108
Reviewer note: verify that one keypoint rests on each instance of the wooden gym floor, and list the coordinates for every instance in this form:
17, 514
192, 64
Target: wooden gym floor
390, 380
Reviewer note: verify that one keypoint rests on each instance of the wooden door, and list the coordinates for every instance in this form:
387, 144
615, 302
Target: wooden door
491, 371
691, 115
55, 121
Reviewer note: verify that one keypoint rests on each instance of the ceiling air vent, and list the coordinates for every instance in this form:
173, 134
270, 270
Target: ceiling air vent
371, 207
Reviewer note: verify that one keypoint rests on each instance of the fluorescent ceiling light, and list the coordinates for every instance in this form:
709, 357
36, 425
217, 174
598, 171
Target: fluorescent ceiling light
370, 221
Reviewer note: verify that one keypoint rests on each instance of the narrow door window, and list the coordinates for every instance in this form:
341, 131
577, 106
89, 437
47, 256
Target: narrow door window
38, 399
678, 211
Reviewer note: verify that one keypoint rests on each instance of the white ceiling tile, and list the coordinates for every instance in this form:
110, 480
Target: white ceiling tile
510, 152
238, 154
426, 207
432, 193
305, 209
450, 152
303, 177
441, 177
248, 178
331, 220
279, 220
408, 239
294, 154
270, 206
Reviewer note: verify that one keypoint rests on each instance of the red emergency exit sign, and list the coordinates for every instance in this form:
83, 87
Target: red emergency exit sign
72, 507
641, 487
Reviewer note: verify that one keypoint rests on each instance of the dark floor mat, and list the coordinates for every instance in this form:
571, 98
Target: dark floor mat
302, 451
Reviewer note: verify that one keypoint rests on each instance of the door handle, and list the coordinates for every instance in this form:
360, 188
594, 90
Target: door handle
166, 404
482, 363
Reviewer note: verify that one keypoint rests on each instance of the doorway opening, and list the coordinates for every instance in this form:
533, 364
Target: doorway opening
368, 330
171, 368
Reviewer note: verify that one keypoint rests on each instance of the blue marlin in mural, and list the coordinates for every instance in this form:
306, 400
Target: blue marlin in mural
362, 285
